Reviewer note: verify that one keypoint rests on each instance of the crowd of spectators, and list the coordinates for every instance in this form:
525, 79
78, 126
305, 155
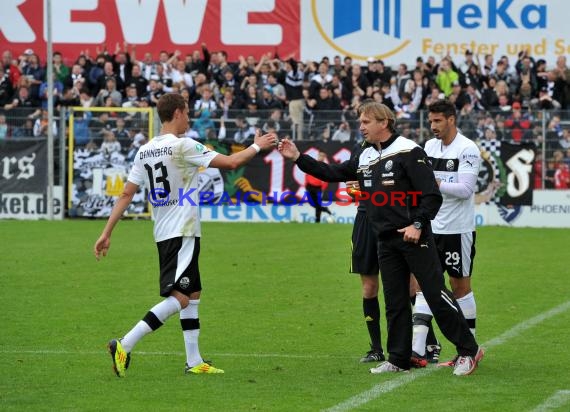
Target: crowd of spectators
496, 99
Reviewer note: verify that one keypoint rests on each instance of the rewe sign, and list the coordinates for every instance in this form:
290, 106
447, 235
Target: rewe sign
239, 27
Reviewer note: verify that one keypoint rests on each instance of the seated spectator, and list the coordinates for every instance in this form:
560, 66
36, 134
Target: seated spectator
408, 102
138, 80
137, 141
86, 64
467, 121
205, 103
458, 95
203, 123
537, 169
41, 125
549, 174
25, 130
34, 72
4, 128
562, 177
268, 102
10, 69
404, 109
110, 144
342, 134
228, 79
500, 128
109, 73
473, 77
131, 99
561, 171
564, 142
446, 77
473, 96
6, 89
243, 131
100, 125
69, 97
274, 122
230, 104
60, 70
85, 98
22, 105
81, 135
76, 78
179, 75
504, 104
525, 95
489, 95
501, 73
111, 91
356, 83
325, 108
277, 88
122, 64
271, 126
434, 94
407, 131
320, 80
544, 101
155, 90
57, 91
553, 133
519, 124
122, 134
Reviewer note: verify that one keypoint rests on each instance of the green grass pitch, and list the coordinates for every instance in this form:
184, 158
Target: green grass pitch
279, 313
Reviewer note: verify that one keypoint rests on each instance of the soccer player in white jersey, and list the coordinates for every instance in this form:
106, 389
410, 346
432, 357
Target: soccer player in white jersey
169, 166
455, 160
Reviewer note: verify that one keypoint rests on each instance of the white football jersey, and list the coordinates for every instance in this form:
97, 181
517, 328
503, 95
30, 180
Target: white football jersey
169, 166
462, 156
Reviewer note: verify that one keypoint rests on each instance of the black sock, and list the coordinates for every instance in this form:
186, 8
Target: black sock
371, 309
431, 339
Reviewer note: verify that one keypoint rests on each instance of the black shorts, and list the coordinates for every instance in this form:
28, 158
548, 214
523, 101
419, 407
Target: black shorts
456, 253
178, 259
364, 247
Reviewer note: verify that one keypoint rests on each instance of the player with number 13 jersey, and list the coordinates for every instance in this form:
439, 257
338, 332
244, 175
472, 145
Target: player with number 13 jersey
169, 167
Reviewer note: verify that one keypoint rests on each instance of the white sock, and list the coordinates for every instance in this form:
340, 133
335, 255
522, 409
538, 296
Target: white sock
152, 321
469, 309
189, 319
420, 331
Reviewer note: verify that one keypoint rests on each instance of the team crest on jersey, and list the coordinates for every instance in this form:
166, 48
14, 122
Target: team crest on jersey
201, 148
388, 165
184, 282
449, 165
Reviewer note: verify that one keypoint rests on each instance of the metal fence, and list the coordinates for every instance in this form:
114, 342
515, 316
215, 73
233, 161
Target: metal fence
548, 130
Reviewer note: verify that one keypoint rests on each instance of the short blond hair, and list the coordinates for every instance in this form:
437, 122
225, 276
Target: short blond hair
379, 112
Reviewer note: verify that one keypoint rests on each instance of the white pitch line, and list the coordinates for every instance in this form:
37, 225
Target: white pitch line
559, 399
378, 390
147, 353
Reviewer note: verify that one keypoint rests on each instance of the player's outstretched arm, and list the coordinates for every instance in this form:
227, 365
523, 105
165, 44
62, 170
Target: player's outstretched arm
288, 149
103, 244
261, 142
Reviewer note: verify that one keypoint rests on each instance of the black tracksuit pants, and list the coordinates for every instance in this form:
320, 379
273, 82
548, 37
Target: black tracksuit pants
316, 200
397, 260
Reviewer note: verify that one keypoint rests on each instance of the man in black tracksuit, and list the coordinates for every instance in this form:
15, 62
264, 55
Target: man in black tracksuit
401, 197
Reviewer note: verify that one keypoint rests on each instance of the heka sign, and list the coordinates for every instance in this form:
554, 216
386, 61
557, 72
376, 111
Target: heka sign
168, 24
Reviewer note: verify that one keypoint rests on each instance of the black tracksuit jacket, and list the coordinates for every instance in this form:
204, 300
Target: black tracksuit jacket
399, 169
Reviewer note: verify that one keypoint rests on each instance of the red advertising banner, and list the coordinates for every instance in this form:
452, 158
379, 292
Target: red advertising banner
245, 27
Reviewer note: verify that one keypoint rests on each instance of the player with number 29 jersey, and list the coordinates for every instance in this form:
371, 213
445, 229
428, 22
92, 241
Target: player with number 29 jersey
169, 167
461, 157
